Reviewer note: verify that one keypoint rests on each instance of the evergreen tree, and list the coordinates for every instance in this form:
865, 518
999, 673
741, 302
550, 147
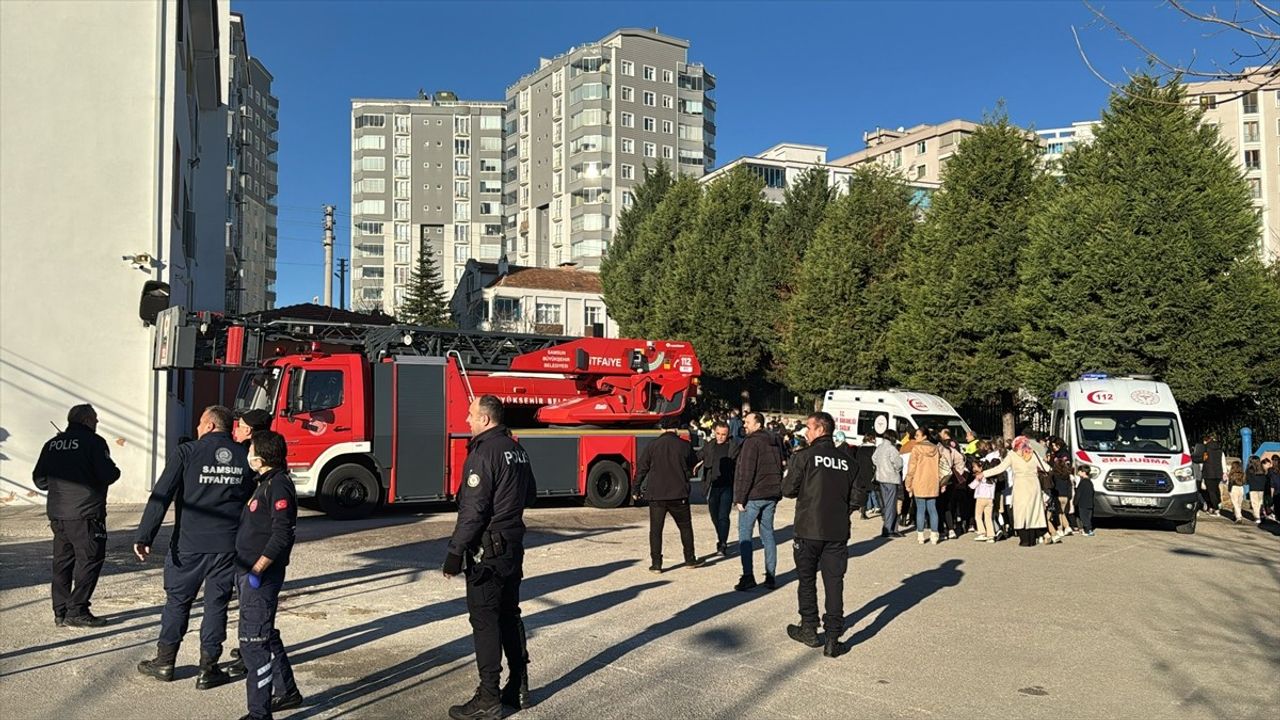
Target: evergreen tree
1146, 261
623, 275
959, 334
791, 230
713, 294
424, 299
845, 295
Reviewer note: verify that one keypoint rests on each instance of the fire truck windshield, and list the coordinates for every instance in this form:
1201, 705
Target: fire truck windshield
258, 390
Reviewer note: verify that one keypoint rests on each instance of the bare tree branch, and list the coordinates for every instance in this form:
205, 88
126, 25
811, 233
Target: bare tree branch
1233, 24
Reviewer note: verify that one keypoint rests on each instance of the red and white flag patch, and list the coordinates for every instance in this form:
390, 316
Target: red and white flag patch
282, 503
253, 505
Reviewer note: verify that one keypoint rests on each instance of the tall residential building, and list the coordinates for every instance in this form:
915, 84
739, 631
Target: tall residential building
1056, 142
1248, 119
251, 179
424, 173
580, 130
781, 165
115, 188
920, 153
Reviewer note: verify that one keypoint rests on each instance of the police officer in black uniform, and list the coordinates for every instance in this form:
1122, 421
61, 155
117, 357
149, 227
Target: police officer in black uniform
821, 478
212, 481
75, 468
488, 544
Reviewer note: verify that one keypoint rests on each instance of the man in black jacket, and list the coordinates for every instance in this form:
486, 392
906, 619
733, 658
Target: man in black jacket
211, 480
264, 543
488, 539
821, 479
662, 478
75, 468
716, 458
757, 488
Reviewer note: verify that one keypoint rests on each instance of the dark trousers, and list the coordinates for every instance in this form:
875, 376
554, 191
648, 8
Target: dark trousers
267, 666
79, 548
719, 504
184, 573
1084, 505
493, 602
1213, 493
679, 511
832, 560
889, 494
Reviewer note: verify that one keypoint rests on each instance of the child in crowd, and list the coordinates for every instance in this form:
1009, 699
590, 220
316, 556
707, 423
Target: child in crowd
1083, 498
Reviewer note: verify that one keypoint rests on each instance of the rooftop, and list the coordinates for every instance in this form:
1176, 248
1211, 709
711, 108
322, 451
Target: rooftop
559, 279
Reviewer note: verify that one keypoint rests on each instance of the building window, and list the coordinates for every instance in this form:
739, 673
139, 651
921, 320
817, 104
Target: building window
628, 146
371, 272
462, 233
590, 116
774, 177
1249, 101
402, 167
650, 125
490, 208
628, 94
589, 222
1255, 187
668, 77
650, 99
650, 73
690, 132
375, 163
371, 142
506, 309
628, 120
628, 68
372, 294
461, 253
547, 313
461, 124
402, 123
668, 153
1253, 159
491, 144
402, 275
373, 185
402, 189
921, 147
588, 91
402, 145
462, 212
364, 121
461, 147
1251, 133
461, 188
627, 198
490, 122
402, 254
628, 172
668, 127
920, 170
650, 150
369, 228
668, 102
490, 187
492, 229
402, 232
1208, 102
402, 209
462, 168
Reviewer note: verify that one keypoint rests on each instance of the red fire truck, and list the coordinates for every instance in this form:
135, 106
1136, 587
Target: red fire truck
377, 413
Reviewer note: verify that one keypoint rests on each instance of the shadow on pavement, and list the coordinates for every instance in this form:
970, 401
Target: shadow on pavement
894, 603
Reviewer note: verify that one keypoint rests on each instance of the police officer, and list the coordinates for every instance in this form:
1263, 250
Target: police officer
821, 478
75, 468
211, 479
488, 545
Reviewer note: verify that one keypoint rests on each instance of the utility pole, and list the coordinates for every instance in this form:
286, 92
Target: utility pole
342, 283
328, 255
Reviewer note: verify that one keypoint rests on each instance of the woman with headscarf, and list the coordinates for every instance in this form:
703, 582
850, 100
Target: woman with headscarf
1028, 499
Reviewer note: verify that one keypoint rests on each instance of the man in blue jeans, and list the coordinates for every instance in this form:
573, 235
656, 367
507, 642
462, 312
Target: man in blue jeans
757, 488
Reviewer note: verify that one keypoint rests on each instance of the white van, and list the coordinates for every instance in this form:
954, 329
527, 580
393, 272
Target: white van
1127, 431
858, 412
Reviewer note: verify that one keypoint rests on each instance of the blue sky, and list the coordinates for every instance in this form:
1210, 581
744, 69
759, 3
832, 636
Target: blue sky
819, 73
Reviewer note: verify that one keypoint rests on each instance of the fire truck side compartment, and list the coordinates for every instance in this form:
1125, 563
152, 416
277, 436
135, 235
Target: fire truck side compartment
555, 463
409, 426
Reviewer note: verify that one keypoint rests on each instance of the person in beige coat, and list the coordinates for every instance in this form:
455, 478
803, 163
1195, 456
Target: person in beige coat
1028, 499
924, 482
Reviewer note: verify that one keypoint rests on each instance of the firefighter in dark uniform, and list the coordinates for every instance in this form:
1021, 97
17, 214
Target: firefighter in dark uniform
249, 422
263, 546
211, 480
821, 478
75, 468
488, 545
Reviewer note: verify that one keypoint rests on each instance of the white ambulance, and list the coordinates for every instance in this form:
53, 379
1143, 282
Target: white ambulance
858, 412
1128, 433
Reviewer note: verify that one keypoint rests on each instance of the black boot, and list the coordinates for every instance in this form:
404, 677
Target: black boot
516, 692
160, 667
804, 635
834, 647
481, 706
211, 676
236, 668
288, 701
85, 620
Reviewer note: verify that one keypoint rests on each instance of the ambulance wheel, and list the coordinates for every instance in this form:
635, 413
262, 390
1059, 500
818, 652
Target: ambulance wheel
350, 492
1186, 528
607, 485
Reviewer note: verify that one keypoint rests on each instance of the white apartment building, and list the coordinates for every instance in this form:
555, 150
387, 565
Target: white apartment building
1248, 119
424, 173
117, 184
581, 129
1056, 142
546, 301
919, 153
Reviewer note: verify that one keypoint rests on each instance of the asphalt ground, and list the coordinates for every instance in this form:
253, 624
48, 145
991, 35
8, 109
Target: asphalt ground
1137, 622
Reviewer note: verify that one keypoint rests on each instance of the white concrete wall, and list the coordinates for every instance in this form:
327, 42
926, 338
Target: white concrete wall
86, 177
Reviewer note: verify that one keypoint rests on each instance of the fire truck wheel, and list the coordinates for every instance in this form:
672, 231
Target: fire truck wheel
350, 492
607, 485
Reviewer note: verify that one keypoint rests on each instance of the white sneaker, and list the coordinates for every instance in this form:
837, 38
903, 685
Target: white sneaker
920, 538
933, 537
980, 538
953, 535
1068, 532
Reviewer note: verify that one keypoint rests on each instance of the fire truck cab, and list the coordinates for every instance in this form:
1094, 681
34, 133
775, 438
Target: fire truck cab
375, 415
